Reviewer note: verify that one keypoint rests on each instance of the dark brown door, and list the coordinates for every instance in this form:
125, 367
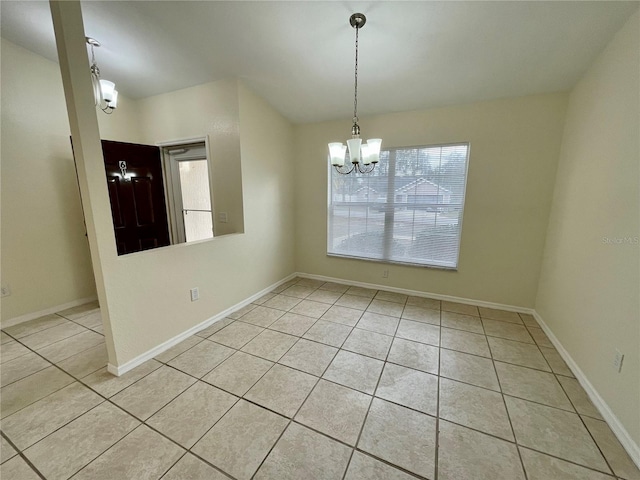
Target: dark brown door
136, 192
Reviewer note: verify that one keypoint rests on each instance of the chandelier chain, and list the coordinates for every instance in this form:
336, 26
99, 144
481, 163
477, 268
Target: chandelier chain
355, 97
363, 157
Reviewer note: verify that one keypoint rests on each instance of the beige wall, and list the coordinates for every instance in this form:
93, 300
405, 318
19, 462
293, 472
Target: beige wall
148, 292
513, 158
589, 289
45, 255
145, 296
210, 109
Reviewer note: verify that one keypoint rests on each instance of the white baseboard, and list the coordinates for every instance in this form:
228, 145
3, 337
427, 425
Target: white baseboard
140, 359
416, 293
118, 370
616, 426
47, 311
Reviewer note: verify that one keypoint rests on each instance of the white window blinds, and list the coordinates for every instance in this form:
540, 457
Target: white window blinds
409, 210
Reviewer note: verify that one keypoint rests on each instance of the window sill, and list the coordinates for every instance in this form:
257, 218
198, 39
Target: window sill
395, 262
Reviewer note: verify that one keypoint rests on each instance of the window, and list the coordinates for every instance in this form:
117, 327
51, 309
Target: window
409, 210
187, 172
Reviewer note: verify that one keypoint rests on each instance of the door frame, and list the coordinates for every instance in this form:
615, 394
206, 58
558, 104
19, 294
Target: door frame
172, 190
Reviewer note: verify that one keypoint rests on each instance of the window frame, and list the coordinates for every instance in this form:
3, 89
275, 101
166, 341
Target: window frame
432, 264
173, 192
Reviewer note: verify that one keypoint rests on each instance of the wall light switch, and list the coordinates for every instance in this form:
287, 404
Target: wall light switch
618, 358
223, 217
195, 294
5, 290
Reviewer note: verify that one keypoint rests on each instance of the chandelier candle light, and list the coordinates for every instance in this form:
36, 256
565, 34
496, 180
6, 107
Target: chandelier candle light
363, 156
104, 91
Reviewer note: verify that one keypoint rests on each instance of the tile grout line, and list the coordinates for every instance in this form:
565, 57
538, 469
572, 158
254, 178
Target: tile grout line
76, 418
46, 396
26, 376
414, 410
355, 447
187, 450
296, 412
20, 454
386, 462
437, 445
144, 421
606, 460
46, 328
291, 420
518, 446
52, 343
105, 400
504, 402
373, 395
90, 328
19, 340
249, 401
409, 408
585, 467
173, 465
166, 363
199, 379
395, 466
74, 474
202, 339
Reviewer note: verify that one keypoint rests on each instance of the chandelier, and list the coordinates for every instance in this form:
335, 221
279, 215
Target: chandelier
104, 91
363, 156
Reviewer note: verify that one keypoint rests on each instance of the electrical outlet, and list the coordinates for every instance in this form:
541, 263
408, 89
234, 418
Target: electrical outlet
195, 294
385, 274
618, 358
5, 290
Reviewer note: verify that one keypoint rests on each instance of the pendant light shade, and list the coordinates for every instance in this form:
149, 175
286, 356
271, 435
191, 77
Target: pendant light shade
337, 152
114, 101
107, 88
354, 149
374, 149
104, 91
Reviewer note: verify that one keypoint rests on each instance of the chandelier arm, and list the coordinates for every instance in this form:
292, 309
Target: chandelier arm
366, 169
341, 171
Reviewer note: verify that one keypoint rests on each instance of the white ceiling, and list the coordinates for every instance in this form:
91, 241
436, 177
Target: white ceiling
299, 55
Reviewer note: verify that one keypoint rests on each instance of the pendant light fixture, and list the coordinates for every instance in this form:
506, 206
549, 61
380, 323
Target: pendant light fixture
104, 91
363, 157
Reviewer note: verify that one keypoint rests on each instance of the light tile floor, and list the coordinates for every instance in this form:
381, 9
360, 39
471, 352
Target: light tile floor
313, 381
